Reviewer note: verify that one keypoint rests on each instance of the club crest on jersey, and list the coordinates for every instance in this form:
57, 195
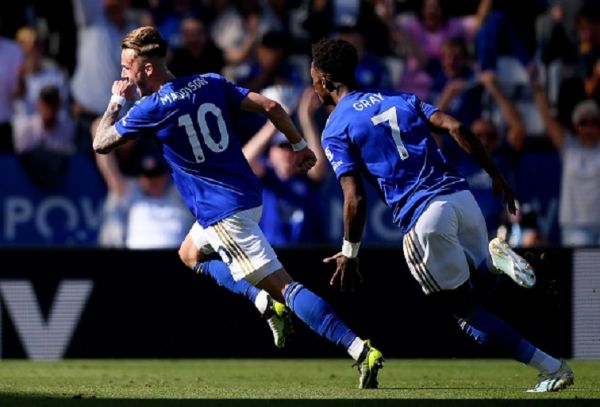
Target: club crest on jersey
371, 100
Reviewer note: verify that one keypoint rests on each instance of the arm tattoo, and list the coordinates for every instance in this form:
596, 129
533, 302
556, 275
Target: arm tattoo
106, 138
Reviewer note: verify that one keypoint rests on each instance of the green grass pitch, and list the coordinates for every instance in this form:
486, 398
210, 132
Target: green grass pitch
283, 382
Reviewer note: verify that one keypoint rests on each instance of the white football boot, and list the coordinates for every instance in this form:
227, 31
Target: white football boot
279, 319
506, 261
555, 381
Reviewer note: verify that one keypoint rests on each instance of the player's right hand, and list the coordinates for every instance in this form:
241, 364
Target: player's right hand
347, 272
305, 160
125, 88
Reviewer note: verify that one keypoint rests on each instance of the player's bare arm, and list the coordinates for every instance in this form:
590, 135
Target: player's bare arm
106, 137
355, 206
355, 211
472, 146
255, 102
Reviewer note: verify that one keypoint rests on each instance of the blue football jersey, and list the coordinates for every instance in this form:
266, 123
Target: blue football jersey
384, 135
192, 119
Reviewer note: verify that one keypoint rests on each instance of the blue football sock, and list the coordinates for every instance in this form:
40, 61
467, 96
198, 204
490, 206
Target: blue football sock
488, 330
483, 278
317, 314
219, 271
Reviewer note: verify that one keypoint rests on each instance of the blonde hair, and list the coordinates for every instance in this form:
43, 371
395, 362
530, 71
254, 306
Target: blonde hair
146, 42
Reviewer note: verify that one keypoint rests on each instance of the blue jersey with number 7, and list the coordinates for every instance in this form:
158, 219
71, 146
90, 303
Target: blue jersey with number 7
384, 135
192, 119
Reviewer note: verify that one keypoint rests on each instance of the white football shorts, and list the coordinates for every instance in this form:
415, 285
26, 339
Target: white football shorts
241, 244
449, 236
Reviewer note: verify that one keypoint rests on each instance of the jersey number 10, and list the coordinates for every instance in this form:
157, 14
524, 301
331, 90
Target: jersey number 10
212, 144
391, 117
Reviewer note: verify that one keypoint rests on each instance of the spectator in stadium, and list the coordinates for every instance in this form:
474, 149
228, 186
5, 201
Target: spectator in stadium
503, 147
168, 16
267, 66
45, 140
432, 26
371, 71
507, 31
579, 218
100, 27
385, 137
555, 29
215, 179
291, 204
12, 58
37, 71
456, 88
588, 46
235, 29
47, 128
151, 212
198, 53
323, 17
578, 55
270, 65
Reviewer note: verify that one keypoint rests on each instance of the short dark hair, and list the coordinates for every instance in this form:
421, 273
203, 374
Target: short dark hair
151, 165
273, 39
458, 43
336, 57
50, 94
146, 42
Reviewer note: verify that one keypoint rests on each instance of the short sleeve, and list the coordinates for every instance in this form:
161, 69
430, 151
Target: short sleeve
233, 93
137, 121
338, 151
423, 107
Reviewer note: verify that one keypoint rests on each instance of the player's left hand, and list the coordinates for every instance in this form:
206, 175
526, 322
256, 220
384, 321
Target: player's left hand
347, 272
305, 160
501, 188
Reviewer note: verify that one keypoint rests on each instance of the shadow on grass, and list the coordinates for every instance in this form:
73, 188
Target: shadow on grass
9, 400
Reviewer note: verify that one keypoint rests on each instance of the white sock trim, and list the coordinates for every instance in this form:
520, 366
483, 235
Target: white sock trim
544, 362
261, 301
356, 348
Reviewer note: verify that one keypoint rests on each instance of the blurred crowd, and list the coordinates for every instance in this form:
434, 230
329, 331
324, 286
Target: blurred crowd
524, 76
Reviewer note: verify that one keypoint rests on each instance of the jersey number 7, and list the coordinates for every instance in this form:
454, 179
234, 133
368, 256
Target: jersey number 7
391, 117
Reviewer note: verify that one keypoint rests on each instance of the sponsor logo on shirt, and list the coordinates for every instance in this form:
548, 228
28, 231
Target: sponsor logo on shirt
329, 155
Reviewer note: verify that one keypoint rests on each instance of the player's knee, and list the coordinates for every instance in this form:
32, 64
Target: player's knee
188, 254
276, 284
185, 259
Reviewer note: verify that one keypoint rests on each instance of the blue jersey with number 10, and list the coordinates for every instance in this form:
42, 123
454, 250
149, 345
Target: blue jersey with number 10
384, 135
192, 119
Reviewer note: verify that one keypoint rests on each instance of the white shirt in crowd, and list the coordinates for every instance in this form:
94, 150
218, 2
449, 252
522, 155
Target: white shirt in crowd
580, 184
138, 221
